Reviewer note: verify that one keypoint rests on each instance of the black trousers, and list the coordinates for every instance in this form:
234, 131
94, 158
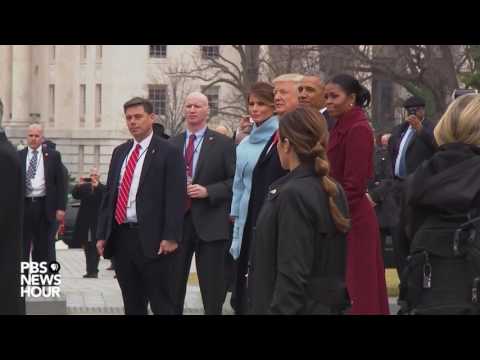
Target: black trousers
142, 280
210, 262
35, 231
52, 231
91, 254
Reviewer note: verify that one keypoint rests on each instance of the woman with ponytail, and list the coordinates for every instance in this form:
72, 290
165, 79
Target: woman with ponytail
350, 152
300, 237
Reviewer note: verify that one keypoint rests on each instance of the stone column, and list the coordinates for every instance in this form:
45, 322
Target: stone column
21, 84
6, 82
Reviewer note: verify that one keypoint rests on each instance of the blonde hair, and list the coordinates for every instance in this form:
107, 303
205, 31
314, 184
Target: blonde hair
296, 78
461, 122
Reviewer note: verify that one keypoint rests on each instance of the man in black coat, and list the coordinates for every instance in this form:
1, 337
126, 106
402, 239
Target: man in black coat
210, 161
90, 191
411, 143
141, 216
311, 92
11, 219
52, 232
45, 198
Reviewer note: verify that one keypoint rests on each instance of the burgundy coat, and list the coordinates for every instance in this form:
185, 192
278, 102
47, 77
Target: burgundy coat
350, 152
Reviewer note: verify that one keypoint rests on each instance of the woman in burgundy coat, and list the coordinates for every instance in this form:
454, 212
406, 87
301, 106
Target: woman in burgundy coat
350, 152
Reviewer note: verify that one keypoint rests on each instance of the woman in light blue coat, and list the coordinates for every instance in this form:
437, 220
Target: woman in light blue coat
261, 110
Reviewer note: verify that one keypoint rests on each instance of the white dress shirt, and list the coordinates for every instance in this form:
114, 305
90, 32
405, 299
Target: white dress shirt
400, 149
38, 182
132, 196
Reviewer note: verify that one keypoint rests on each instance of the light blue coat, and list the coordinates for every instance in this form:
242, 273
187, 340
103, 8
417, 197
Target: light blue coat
248, 152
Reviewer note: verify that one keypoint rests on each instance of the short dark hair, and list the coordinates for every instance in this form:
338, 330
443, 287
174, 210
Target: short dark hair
138, 101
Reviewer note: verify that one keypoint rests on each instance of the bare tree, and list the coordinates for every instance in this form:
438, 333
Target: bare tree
426, 70
178, 88
239, 71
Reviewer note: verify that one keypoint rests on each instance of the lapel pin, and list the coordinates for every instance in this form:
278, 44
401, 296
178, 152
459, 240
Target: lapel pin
210, 138
273, 192
153, 151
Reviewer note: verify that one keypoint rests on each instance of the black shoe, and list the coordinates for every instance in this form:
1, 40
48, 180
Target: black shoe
90, 276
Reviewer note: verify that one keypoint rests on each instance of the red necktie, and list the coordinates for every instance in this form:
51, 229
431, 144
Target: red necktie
276, 138
190, 150
122, 199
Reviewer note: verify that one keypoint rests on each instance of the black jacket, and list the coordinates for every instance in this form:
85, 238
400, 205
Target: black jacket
55, 197
160, 201
267, 170
11, 224
300, 257
421, 147
383, 190
447, 184
215, 170
87, 216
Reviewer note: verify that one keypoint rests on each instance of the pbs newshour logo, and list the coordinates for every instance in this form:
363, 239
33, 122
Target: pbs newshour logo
40, 279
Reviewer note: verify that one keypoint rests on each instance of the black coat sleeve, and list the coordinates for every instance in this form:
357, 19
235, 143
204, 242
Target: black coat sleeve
175, 189
60, 184
82, 191
105, 210
222, 191
295, 254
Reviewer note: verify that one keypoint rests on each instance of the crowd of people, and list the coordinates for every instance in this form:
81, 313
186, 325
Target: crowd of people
290, 212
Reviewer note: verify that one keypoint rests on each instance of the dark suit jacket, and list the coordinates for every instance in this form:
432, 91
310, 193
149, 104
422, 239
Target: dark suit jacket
11, 224
267, 170
88, 213
160, 201
54, 180
215, 170
421, 146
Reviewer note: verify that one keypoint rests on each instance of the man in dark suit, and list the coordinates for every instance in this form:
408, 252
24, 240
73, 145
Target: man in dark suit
311, 92
54, 226
45, 199
11, 219
90, 191
140, 220
210, 168
411, 143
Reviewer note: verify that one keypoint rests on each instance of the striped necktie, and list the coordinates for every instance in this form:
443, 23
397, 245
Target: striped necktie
31, 171
123, 194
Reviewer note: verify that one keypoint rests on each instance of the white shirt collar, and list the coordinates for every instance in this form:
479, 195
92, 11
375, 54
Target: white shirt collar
198, 133
30, 150
145, 143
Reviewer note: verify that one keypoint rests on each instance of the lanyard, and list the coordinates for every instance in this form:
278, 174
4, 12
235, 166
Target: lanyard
125, 161
200, 140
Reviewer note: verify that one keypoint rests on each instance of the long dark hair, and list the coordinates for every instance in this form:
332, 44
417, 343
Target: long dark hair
307, 132
352, 86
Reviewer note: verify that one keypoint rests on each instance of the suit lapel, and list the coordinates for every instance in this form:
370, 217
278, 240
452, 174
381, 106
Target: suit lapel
264, 156
149, 154
46, 163
121, 158
207, 144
